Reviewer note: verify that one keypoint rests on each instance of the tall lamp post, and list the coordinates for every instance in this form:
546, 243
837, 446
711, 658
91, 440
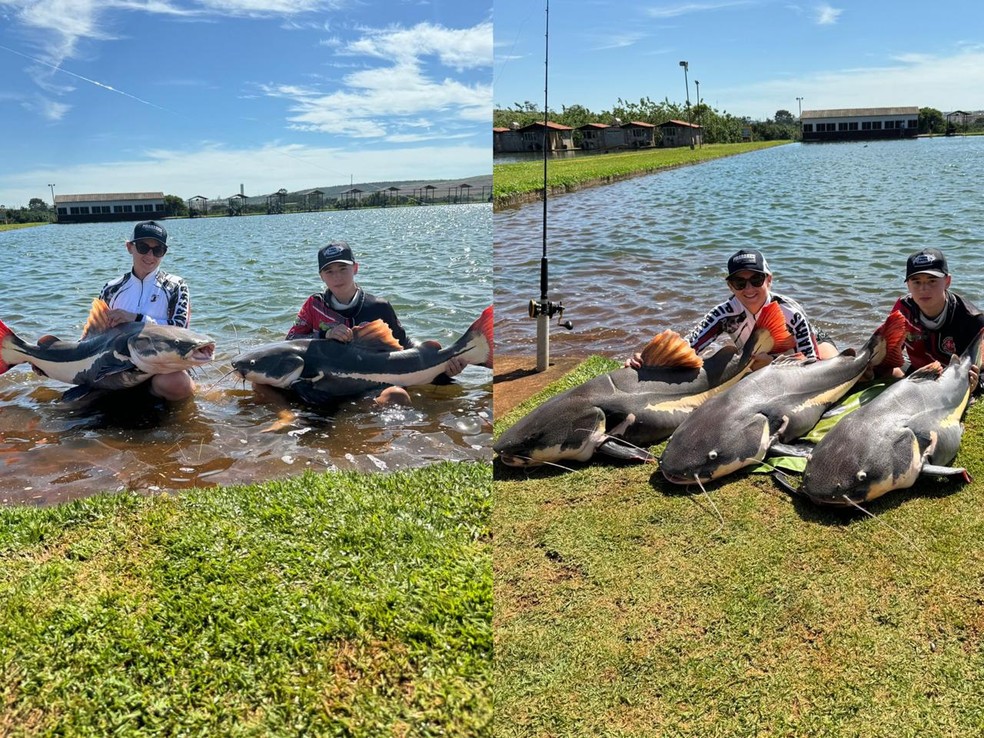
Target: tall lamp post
700, 136
686, 82
54, 210
799, 103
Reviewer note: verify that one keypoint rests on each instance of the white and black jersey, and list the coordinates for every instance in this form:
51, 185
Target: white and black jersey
160, 297
733, 318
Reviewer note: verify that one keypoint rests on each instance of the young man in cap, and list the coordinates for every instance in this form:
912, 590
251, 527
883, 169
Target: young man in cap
750, 279
148, 294
344, 305
940, 323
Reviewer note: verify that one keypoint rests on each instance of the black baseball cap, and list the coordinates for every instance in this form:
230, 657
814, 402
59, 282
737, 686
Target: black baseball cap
150, 229
749, 259
337, 251
927, 261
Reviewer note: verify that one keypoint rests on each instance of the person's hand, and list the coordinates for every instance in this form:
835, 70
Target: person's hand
633, 362
118, 317
760, 360
339, 332
455, 366
975, 375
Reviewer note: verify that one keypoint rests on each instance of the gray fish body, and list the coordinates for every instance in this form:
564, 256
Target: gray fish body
778, 403
119, 357
911, 428
620, 413
321, 370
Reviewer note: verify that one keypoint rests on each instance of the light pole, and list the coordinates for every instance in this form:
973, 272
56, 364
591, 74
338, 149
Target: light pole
686, 66
700, 139
799, 102
54, 209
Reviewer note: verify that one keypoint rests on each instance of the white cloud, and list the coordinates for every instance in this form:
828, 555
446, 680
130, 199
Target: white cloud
673, 11
464, 48
827, 15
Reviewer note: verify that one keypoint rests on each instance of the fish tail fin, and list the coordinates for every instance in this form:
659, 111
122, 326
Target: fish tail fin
98, 320
4, 332
476, 344
888, 337
771, 334
670, 349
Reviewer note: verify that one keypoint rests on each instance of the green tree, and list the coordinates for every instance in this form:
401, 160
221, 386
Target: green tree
36, 203
785, 118
175, 206
931, 121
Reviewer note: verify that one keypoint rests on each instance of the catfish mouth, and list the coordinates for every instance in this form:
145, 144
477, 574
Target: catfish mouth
518, 461
202, 353
679, 479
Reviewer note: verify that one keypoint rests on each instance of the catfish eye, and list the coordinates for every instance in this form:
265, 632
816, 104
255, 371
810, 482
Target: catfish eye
712, 455
861, 476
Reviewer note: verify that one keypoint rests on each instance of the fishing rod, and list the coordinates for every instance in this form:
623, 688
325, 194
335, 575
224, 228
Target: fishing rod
543, 310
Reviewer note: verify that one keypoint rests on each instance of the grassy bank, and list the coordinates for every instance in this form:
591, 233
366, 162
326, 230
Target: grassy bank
340, 604
15, 226
523, 181
625, 608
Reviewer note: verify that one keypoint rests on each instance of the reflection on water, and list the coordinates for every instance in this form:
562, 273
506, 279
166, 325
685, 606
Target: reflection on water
836, 222
248, 276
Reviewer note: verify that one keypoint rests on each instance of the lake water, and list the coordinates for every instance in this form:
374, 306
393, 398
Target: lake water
248, 276
835, 221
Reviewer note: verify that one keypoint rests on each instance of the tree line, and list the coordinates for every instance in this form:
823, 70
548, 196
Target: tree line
718, 126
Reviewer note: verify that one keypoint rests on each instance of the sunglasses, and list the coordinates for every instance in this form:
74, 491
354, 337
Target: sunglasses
756, 280
143, 248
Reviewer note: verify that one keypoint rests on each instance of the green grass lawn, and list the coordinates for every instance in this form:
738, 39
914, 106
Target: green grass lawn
512, 182
623, 607
15, 226
341, 604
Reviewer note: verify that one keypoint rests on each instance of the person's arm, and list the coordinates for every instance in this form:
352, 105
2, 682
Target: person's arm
180, 314
304, 324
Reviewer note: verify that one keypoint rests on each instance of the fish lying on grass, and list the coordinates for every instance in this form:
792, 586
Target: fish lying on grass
624, 412
911, 429
321, 370
776, 404
109, 358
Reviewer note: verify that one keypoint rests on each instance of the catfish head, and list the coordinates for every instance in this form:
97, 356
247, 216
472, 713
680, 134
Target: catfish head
714, 447
277, 364
162, 349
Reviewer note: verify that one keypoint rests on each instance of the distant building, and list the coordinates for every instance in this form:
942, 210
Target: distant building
859, 124
109, 207
678, 133
530, 138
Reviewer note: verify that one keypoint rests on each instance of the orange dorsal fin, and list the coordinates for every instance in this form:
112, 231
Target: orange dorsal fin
375, 336
98, 320
669, 349
771, 319
893, 331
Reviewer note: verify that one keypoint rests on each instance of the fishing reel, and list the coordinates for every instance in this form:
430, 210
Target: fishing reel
548, 308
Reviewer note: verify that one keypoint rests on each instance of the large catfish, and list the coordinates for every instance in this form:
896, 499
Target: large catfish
624, 412
913, 428
321, 370
109, 357
776, 404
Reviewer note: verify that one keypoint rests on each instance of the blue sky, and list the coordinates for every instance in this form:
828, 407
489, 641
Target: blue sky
194, 97
751, 57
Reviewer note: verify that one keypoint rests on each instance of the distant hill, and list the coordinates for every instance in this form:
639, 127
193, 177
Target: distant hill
405, 187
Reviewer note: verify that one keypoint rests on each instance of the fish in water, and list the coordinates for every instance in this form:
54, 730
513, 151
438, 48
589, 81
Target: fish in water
911, 429
321, 370
774, 405
109, 357
627, 410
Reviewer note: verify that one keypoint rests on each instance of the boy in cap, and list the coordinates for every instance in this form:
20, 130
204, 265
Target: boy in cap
940, 323
148, 294
749, 279
344, 305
